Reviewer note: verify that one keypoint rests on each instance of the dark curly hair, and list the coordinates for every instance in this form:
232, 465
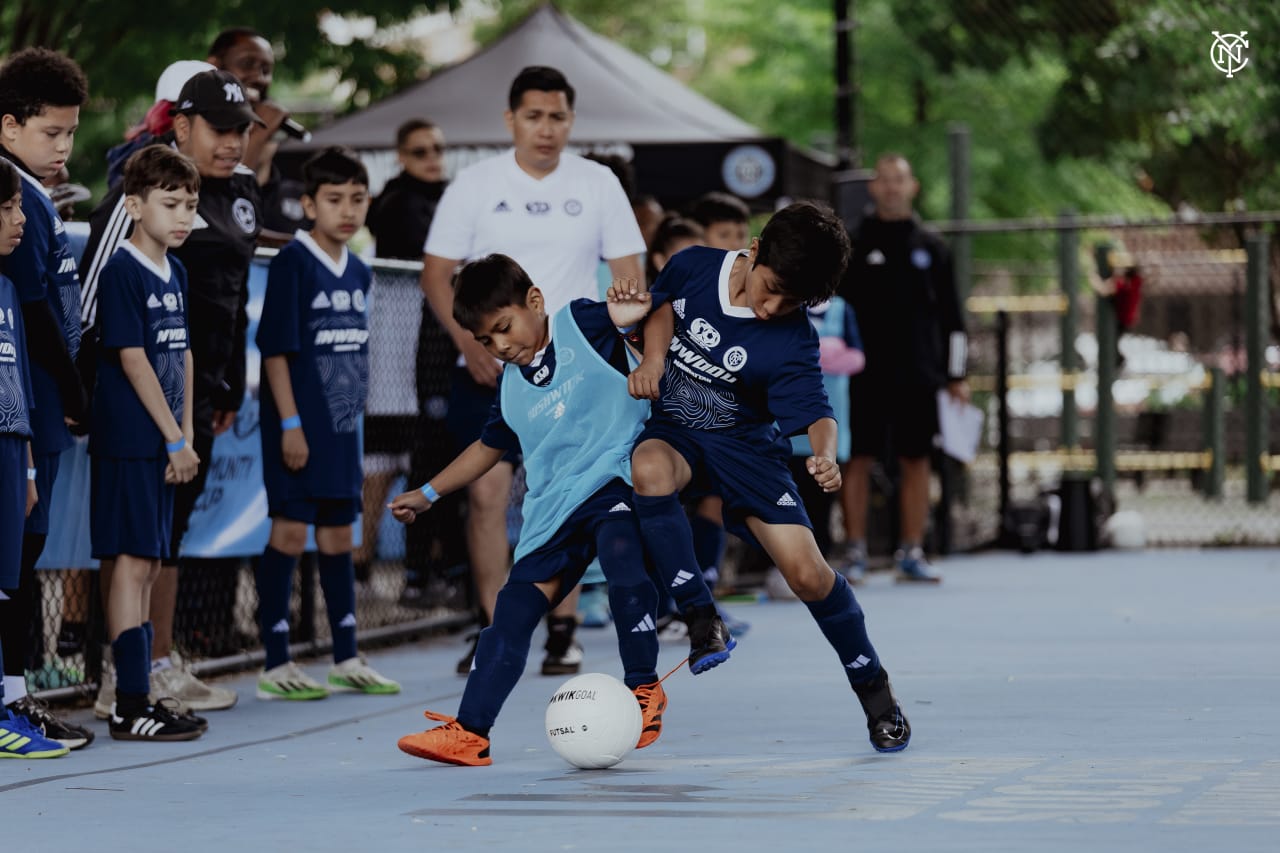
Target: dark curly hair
807, 247
36, 78
10, 181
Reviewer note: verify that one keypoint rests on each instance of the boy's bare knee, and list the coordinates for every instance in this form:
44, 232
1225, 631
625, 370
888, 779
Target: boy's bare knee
810, 581
652, 472
334, 540
288, 537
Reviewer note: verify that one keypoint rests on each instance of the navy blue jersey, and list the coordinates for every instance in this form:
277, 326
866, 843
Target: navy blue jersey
139, 305
43, 267
15, 375
593, 319
315, 313
727, 370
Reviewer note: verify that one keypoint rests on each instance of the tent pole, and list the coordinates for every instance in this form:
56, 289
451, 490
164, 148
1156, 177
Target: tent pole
846, 86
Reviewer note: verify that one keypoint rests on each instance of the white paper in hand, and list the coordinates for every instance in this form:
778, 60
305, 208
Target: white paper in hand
960, 425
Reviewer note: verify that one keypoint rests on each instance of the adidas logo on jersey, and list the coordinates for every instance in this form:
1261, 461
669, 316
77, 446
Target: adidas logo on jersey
682, 578
68, 265
678, 307
620, 507
858, 663
541, 375
281, 627
321, 302
645, 625
152, 302
502, 207
348, 621
786, 500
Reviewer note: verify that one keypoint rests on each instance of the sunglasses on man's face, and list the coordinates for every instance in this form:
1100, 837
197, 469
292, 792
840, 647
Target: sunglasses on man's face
423, 151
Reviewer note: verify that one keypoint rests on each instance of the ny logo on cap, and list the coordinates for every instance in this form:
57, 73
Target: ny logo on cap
234, 93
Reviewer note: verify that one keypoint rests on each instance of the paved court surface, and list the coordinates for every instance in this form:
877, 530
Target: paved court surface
1101, 702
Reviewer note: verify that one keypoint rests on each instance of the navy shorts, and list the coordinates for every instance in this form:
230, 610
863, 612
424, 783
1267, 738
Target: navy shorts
13, 506
46, 473
322, 512
750, 473
130, 507
469, 407
884, 419
575, 544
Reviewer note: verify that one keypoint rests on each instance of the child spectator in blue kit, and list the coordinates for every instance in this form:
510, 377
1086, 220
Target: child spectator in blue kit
732, 366
313, 337
140, 447
563, 403
19, 737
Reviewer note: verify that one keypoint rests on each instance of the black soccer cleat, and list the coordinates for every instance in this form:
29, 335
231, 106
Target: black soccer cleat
886, 724
709, 640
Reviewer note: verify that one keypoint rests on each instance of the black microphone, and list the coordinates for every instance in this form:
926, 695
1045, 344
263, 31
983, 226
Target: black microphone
295, 130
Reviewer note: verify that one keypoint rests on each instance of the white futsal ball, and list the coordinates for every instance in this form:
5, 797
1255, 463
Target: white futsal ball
593, 721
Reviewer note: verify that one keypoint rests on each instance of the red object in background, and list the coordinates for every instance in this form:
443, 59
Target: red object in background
1127, 297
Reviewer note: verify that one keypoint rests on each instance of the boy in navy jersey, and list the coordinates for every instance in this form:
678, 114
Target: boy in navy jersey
313, 337
563, 402
739, 375
41, 93
19, 737
140, 447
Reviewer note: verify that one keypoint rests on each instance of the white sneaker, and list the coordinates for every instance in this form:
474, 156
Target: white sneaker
289, 681
177, 682
355, 675
107, 696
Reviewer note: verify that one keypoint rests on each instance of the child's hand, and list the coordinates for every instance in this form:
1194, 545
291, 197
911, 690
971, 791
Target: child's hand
294, 445
183, 465
643, 382
825, 471
405, 507
628, 304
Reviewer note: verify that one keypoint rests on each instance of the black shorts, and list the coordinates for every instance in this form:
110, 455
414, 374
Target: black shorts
896, 421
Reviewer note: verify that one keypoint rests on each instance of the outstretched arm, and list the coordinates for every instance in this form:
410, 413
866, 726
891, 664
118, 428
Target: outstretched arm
468, 467
628, 302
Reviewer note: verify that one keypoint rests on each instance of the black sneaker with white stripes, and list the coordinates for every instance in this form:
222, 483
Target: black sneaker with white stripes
54, 727
160, 721
887, 726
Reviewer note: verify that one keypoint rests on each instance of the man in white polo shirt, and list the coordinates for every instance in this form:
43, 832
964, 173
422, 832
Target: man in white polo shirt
557, 215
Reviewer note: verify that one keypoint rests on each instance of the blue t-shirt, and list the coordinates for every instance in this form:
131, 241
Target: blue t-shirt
15, 376
727, 370
139, 305
44, 268
314, 312
834, 318
593, 321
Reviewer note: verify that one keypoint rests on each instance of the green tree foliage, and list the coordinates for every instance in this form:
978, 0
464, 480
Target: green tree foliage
123, 45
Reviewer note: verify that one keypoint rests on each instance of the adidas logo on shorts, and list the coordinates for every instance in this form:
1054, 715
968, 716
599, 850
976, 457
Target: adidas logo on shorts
645, 624
682, 578
786, 500
620, 507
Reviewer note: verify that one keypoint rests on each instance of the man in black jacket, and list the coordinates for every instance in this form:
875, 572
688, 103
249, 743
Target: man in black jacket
211, 126
901, 286
399, 221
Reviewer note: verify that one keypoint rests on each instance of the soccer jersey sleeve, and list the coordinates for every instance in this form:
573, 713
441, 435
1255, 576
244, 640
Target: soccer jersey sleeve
27, 267
619, 233
279, 327
453, 228
496, 433
797, 397
122, 311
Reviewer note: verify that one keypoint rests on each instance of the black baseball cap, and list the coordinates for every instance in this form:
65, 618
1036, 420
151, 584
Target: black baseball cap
218, 98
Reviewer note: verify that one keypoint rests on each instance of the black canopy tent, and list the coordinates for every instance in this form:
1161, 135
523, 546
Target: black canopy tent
682, 144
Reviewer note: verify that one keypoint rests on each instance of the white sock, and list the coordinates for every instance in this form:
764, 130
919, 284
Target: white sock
161, 664
15, 687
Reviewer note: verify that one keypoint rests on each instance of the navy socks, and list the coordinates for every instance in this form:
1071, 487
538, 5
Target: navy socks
842, 623
501, 655
275, 584
338, 580
669, 541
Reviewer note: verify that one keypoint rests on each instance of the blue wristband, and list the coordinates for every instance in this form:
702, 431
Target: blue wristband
430, 493
177, 445
31, 474
294, 422
626, 330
